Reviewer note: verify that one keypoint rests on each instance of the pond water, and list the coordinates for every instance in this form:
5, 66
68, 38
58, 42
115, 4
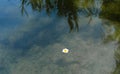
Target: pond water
33, 34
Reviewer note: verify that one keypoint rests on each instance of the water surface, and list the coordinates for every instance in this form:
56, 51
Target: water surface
34, 32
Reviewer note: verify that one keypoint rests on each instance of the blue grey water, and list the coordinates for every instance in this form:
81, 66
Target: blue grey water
33, 44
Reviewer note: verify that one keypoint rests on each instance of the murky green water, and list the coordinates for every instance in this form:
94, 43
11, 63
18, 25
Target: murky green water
34, 32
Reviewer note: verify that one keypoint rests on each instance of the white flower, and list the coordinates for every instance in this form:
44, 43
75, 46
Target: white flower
65, 50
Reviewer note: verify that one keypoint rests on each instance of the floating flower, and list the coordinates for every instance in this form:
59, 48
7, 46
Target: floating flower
65, 50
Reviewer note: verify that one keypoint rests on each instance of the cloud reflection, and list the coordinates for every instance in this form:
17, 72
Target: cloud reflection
87, 57
36, 49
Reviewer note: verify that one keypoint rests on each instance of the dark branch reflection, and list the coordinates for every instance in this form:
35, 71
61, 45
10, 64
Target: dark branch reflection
69, 9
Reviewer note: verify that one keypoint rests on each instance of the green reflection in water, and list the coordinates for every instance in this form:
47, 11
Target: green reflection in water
70, 9
113, 34
111, 12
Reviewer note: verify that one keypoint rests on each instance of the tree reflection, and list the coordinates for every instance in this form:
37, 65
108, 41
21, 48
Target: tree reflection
69, 9
111, 12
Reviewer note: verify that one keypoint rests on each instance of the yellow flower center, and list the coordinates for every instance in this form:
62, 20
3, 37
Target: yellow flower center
65, 50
